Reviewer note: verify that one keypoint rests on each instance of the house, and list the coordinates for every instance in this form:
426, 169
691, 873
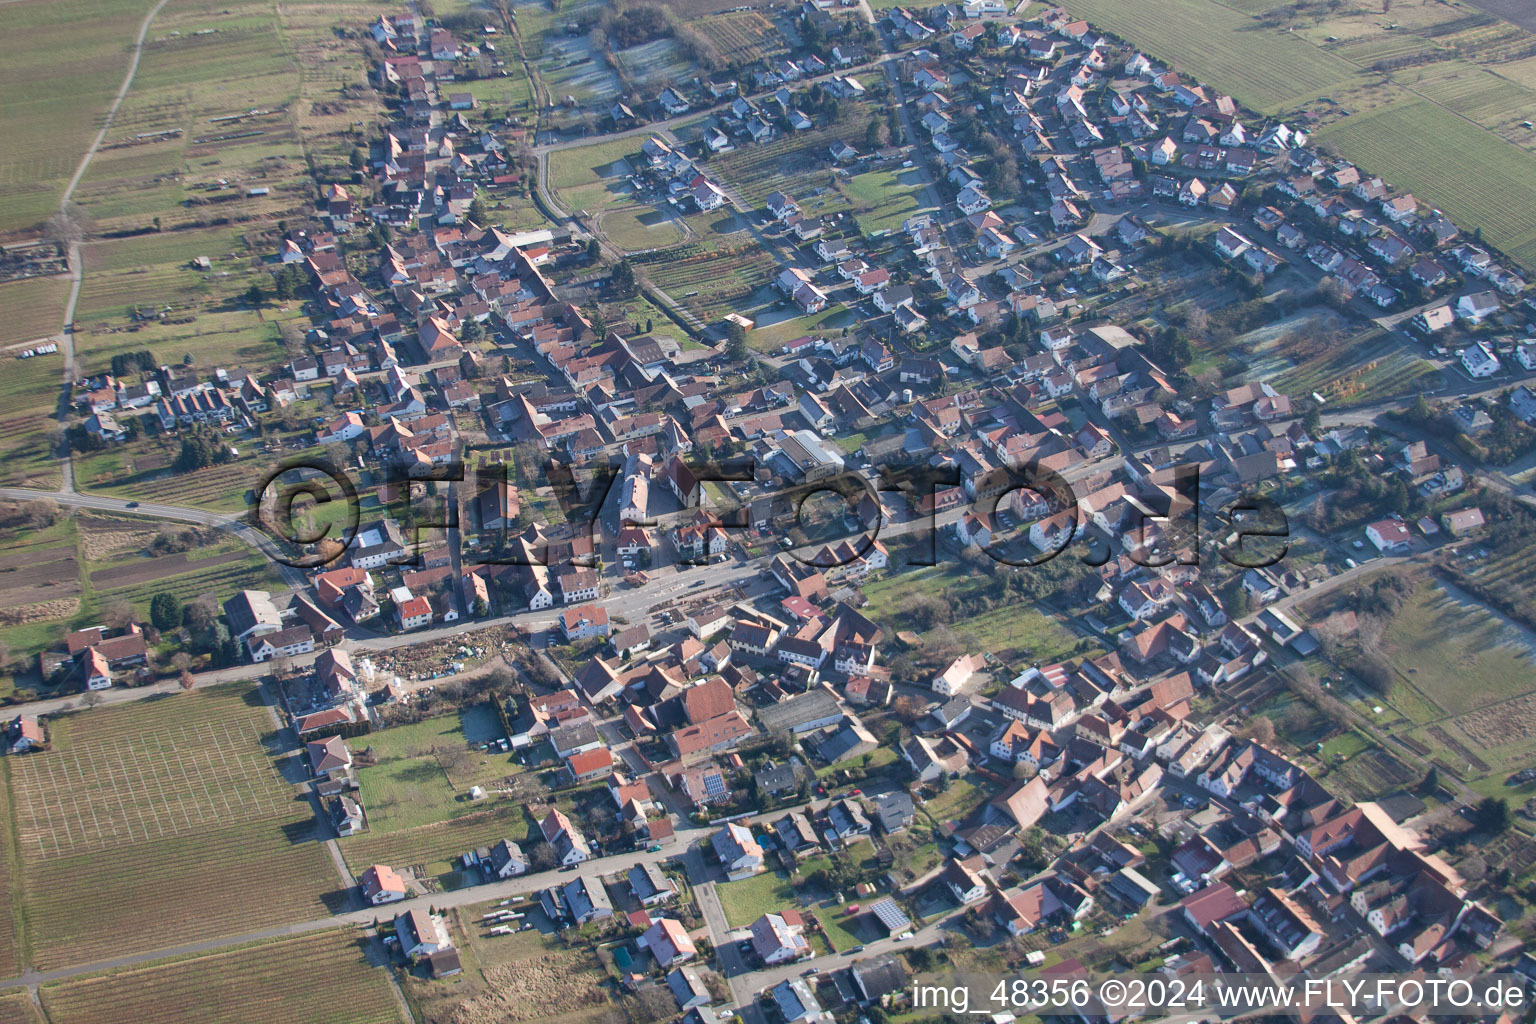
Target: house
506, 860
329, 756
794, 999
649, 885
381, 884
1463, 521
1479, 360
1477, 306
252, 613
421, 933
1388, 535
586, 899
964, 880
739, 854
688, 988
776, 940
23, 733
949, 682
669, 942
584, 622
284, 643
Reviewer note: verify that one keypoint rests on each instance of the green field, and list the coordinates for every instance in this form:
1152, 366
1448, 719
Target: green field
1265, 69
178, 816
1475, 177
634, 228
417, 782
749, 899
61, 61
883, 199
1456, 653
434, 846
323, 978
586, 165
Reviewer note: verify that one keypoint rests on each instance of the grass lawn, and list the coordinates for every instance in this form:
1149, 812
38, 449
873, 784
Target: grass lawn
771, 337
1017, 634
962, 797
749, 899
412, 786
640, 227
586, 165
883, 199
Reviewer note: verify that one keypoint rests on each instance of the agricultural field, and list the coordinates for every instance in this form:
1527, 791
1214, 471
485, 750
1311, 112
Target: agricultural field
648, 66
16, 1008
588, 165
882, 200
728, 273
33, 308
177, 811
1269, 70
61, 62
29, 393
1440, 640
638, 228
206, 313
1363, 371
743, 37
1423, 148
212, 100
143, 470
324, 978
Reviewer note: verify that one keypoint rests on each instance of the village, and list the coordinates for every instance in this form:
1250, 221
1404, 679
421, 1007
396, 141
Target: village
1018, 584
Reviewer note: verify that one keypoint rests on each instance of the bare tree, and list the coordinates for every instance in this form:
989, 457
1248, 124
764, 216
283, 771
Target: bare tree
186, 680
91, 698
119, 614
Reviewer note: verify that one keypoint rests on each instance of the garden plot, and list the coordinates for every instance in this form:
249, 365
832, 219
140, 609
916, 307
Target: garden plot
571, 68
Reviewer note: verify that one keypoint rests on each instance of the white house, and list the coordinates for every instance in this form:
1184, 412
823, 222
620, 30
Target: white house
738, 852
1388, 535
1479, 360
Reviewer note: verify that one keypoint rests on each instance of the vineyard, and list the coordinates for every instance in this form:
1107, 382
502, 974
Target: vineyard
712, 282
16, 1008
744, 37
10, 963
323, 978
795, 162
29, 389
1339, 375
177, 816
